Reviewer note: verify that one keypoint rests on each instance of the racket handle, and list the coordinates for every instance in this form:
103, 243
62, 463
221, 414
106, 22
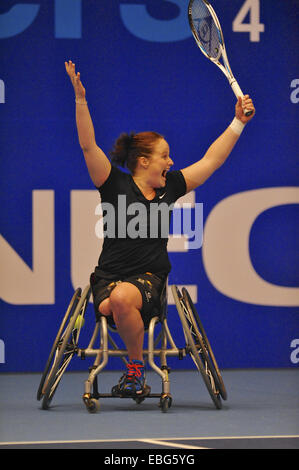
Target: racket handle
238, 92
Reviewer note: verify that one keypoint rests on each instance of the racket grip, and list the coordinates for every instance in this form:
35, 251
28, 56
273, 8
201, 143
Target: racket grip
238, 92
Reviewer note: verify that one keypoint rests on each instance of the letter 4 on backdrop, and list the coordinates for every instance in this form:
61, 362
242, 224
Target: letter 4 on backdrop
143, 71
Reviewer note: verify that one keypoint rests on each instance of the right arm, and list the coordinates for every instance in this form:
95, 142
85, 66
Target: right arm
97, 163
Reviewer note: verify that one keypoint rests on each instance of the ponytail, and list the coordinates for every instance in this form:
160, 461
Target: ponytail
128, 147
121, 150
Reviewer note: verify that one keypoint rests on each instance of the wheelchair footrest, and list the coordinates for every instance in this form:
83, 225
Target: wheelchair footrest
110, 395
115, 392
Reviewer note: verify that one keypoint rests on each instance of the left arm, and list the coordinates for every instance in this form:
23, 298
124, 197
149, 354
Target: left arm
218, 152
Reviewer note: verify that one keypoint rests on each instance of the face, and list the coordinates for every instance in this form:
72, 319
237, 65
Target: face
158, 164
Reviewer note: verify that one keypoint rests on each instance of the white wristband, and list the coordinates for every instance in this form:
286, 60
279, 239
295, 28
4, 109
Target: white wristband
237, 126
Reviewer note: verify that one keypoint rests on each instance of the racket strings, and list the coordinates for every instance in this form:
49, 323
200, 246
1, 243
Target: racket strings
205, 29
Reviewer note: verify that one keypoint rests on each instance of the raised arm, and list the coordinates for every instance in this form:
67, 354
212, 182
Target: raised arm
97, 163
197, 173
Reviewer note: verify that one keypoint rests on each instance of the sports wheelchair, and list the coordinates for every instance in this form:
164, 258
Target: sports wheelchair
162, 345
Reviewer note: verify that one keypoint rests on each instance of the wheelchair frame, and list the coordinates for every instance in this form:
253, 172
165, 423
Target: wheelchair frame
66, 346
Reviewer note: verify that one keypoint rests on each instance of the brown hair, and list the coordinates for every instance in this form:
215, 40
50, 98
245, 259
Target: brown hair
128, 147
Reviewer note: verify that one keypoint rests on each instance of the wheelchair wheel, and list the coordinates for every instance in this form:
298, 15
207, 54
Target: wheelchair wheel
64, 348
70, 310
201, 334
196, 346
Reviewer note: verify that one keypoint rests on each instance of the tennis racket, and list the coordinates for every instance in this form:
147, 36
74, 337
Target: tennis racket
208, 35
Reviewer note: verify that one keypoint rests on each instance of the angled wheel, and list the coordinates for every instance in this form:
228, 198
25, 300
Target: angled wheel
70, 310
207, 350
196, 346
64, 348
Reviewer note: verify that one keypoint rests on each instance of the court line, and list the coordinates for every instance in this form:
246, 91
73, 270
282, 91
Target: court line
163, 442
231, 437
69, 441
191, 438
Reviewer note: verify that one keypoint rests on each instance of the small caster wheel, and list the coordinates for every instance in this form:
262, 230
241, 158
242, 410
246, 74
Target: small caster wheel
91, 404
165, 403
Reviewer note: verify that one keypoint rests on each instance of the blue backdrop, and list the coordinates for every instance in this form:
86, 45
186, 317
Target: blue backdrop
143, 71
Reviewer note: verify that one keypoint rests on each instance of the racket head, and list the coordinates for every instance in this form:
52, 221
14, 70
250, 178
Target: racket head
206, 29
207, 32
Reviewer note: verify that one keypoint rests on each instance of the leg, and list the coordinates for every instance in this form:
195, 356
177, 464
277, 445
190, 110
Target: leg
125, 303
132, 303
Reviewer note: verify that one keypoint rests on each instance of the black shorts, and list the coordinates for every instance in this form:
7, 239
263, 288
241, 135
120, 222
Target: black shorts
149, 285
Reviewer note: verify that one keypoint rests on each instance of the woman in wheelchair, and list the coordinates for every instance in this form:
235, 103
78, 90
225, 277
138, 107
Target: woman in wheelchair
134, 264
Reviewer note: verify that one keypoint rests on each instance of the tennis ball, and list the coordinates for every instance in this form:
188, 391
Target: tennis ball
79, 323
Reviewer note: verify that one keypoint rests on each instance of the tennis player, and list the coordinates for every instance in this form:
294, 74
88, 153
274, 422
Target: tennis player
131, 271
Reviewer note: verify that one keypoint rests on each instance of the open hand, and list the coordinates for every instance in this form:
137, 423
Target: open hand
75, 79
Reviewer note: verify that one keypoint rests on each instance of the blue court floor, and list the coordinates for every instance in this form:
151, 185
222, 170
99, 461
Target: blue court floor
262, 411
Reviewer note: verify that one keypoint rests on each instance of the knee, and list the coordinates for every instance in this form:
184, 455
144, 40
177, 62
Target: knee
105, 307
124, 298
119, 301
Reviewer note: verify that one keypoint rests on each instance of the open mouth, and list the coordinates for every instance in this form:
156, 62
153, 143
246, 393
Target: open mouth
164, 173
